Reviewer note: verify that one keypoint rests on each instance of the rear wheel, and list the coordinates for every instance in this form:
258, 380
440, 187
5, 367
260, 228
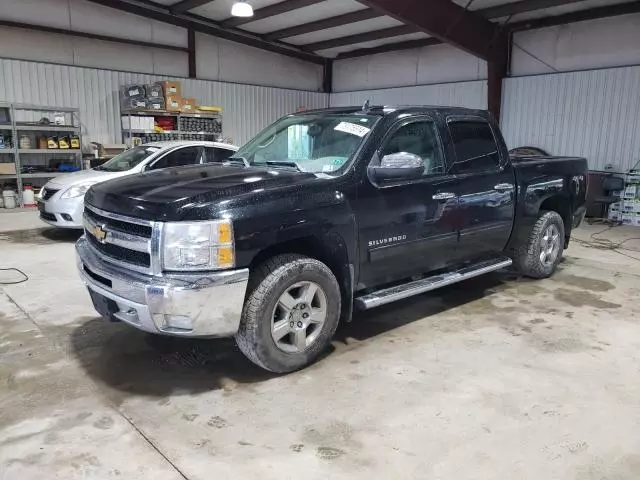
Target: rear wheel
290, 314
541, 254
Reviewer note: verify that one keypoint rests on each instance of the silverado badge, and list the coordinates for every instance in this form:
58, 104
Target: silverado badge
100, 233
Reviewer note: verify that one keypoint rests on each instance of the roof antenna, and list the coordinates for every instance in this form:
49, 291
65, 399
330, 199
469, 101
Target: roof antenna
366, 106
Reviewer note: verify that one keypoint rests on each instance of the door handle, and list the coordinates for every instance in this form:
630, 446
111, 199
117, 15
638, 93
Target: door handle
444, 196
503, 187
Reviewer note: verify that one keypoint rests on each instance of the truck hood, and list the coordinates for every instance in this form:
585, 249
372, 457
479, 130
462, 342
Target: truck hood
169, 193
83, 177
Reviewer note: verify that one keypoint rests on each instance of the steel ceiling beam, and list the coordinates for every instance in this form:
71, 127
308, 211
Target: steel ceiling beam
270, 11
512, 9
447, 21
93, 36
209, 27
499, 11
459, 27
390, 47
579, 16
192, 58
523, 6
359, 38
331, 22
186, 5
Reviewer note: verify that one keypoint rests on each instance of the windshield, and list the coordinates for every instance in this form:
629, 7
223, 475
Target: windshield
316, 143
128, 159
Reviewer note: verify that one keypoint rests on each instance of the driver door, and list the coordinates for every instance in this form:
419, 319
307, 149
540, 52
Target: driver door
407, 227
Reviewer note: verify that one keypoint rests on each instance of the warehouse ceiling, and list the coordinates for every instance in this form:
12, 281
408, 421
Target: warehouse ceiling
318, 29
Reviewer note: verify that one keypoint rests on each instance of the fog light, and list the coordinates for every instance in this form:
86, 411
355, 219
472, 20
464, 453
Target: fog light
174, 322
67, 217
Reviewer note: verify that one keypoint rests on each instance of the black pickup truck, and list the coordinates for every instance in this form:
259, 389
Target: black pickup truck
322, 212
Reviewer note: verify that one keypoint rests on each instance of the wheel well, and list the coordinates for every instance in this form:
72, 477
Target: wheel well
562, 207
335, 258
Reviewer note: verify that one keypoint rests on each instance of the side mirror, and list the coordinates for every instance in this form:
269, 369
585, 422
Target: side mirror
398, 166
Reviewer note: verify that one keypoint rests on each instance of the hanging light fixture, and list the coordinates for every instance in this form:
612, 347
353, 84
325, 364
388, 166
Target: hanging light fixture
241, 9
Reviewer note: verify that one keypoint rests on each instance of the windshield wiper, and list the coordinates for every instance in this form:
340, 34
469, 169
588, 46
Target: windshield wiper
276, 163
242, 160
102, 168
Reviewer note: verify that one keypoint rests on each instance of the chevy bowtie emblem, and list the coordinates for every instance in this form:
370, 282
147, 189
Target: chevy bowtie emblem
100, 233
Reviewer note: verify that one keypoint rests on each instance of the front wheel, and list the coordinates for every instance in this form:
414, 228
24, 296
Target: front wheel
290, 314
541, 254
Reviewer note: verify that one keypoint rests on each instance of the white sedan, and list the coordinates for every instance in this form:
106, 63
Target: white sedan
61, 200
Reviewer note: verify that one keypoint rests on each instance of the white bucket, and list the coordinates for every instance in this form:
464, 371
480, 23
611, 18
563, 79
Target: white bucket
10, 199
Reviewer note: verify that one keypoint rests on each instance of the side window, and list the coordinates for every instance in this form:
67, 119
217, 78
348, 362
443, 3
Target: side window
421, 139
222, 154
217, 155
475, 146
210, 155
179, 158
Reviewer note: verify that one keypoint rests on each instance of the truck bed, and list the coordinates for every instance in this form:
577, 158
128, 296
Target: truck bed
516, 160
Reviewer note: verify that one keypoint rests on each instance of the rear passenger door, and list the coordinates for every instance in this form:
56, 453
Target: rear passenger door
485, 187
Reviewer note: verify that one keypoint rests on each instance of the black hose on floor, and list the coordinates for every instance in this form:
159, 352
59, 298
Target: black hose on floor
26, 277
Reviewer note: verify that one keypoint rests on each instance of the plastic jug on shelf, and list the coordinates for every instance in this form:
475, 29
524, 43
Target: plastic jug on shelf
28, 197
10, 198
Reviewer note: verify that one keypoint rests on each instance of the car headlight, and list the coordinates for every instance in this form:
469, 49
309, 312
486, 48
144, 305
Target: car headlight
76, 191
198, 245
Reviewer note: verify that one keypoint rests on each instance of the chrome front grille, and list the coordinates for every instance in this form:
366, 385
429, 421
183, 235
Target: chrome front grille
47, 193
116, 225
124, 241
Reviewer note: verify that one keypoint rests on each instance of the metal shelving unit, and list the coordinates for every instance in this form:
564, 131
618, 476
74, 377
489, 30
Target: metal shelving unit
129, 133
35, 175
45, 151
48, 128
16, 152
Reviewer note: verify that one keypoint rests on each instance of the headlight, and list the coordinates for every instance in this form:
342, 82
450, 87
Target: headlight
198, 245
76, 191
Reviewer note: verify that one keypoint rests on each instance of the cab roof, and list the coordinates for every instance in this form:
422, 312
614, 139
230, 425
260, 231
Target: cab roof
181, 143
396, 110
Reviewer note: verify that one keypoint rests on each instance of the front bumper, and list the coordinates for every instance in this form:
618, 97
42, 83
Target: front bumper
55, 208
195, 305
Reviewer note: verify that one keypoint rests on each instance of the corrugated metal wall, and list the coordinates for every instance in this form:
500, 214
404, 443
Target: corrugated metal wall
247, 108
594, 114
463, 94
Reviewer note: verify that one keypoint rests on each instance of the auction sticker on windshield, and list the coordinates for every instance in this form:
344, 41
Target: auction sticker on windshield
352, 128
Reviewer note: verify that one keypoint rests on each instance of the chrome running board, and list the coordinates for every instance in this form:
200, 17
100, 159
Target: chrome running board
399, 292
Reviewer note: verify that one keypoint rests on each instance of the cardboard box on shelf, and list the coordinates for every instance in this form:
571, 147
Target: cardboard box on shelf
613, 215
636, 220
154, 91
156, 103
107, 149
630, 192
133, 91
633, 177
209, 109
628, 218
615, 206
171, 88
631, 206
8, 168
188, 105
173, 103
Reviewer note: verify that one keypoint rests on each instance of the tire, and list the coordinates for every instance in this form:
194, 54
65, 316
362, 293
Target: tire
267, 306
529, 259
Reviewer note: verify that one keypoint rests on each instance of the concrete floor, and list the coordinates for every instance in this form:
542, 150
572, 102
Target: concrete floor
496, 378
